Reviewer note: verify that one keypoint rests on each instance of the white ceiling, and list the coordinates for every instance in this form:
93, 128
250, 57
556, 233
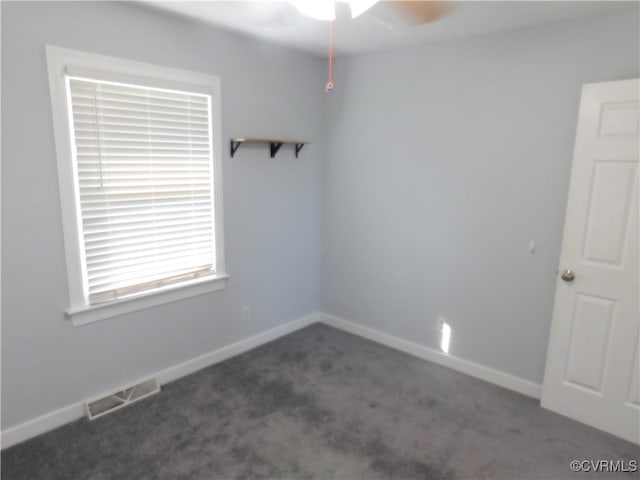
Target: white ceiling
382, 27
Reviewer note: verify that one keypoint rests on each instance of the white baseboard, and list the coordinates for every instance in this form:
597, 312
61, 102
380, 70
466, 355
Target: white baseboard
190, 366
49, 421
487, 374
46, 422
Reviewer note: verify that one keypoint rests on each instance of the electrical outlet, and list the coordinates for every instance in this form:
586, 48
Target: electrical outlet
440, 322
246, 312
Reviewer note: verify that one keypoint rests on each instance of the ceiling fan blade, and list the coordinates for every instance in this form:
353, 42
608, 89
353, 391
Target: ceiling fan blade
423, 11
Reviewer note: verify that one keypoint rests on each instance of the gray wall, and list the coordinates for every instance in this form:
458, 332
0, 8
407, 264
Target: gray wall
445, 160
272, 207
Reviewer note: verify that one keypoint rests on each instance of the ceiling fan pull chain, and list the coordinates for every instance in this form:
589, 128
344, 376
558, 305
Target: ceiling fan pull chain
329, 86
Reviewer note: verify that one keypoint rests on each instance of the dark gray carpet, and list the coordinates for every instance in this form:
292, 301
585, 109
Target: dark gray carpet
321, 403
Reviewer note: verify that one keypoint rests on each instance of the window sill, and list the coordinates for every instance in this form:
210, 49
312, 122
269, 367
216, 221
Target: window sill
89, 314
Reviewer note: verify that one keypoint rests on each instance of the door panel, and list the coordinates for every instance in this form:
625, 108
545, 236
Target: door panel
608, 212
589, 347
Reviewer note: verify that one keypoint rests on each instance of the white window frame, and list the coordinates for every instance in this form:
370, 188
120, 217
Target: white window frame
59, 61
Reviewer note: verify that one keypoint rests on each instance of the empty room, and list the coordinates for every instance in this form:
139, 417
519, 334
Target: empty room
320, 240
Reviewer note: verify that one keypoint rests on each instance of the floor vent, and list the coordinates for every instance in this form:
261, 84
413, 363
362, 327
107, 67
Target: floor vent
115, 401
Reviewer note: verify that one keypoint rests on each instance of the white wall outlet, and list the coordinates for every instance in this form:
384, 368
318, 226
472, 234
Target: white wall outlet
246, 312
440, 322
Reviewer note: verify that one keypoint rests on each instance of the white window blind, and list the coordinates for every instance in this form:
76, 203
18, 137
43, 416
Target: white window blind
144, 166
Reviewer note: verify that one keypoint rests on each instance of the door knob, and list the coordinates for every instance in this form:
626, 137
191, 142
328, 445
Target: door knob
568, 275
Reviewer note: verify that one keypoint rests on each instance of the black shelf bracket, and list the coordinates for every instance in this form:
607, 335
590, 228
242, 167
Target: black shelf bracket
298, 148
275, 146
234, 147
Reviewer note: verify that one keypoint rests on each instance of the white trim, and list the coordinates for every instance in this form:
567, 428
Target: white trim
49, 421
37, 426
487, 374
186, 368
44, 423
58, 61
93, 313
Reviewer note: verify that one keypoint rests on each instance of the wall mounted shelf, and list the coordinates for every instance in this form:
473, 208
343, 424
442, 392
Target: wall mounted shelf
274, 145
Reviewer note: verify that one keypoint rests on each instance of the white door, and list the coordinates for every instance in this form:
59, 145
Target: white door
593, 359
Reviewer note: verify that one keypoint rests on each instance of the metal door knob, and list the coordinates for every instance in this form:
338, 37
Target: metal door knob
568, 275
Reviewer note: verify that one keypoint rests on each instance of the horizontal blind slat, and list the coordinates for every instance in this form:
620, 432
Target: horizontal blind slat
139, 119
149, 116
133, 229
107, 155
169, 162
126, 194
114, 126
132, 137
150, 270
109, 143
150, 209
135, 92
126, 282
101, 239
141, 245
167, 217
109, 267
113, 291
97, 208
122, 102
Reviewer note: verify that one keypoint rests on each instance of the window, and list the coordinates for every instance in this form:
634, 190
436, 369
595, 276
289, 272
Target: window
139, 167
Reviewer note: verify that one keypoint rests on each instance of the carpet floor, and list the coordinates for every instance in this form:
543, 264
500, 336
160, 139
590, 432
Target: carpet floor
321, 403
